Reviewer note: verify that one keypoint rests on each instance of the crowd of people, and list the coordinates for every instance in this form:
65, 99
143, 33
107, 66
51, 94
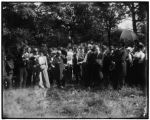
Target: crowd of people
87, 64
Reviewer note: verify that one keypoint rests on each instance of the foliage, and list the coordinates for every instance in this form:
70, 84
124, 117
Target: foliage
138, 11
18, 15
57, 23
108, 16
18, 23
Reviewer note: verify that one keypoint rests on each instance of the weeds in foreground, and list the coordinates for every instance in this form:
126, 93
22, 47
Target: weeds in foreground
74, 103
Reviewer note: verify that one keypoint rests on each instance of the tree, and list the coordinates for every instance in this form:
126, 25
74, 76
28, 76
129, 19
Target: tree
138, 12
63, 19
17, 19
110, 14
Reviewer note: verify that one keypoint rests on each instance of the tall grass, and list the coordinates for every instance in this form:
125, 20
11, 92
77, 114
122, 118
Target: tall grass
73, 103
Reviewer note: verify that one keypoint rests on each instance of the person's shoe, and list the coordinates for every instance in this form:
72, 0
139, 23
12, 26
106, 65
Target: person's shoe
41, 86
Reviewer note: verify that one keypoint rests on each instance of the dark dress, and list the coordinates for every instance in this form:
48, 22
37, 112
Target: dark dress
56, 63
98, 69
124, 56
129, 77
139, 72
22, 76
92, 69
76, 69
29, 67
105, 69
115, 57
120, 70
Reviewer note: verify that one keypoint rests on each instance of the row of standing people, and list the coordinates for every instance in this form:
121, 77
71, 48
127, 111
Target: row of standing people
38, 67
117, 67
31, 69
90, 65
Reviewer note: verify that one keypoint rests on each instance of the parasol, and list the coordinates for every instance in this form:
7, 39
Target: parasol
128, 36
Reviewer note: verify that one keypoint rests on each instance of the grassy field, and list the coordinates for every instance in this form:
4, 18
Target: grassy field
72, 102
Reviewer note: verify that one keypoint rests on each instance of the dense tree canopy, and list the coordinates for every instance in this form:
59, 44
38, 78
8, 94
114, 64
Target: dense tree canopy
58, 23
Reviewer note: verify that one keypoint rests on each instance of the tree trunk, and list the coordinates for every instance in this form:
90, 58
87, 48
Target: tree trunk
3, 61
134, 23
109, 39
133, 18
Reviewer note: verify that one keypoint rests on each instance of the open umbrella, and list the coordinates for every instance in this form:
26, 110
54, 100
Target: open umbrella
128, 36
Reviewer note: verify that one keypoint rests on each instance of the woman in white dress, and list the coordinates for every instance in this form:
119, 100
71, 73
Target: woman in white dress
44, 78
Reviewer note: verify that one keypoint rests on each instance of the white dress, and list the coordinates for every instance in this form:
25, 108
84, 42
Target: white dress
44, 78
140, 56
69, 57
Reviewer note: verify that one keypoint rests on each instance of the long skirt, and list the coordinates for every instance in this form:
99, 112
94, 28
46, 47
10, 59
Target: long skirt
23, 77
44, 79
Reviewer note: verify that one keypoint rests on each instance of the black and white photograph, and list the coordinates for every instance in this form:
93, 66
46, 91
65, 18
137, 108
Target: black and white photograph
75, 59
